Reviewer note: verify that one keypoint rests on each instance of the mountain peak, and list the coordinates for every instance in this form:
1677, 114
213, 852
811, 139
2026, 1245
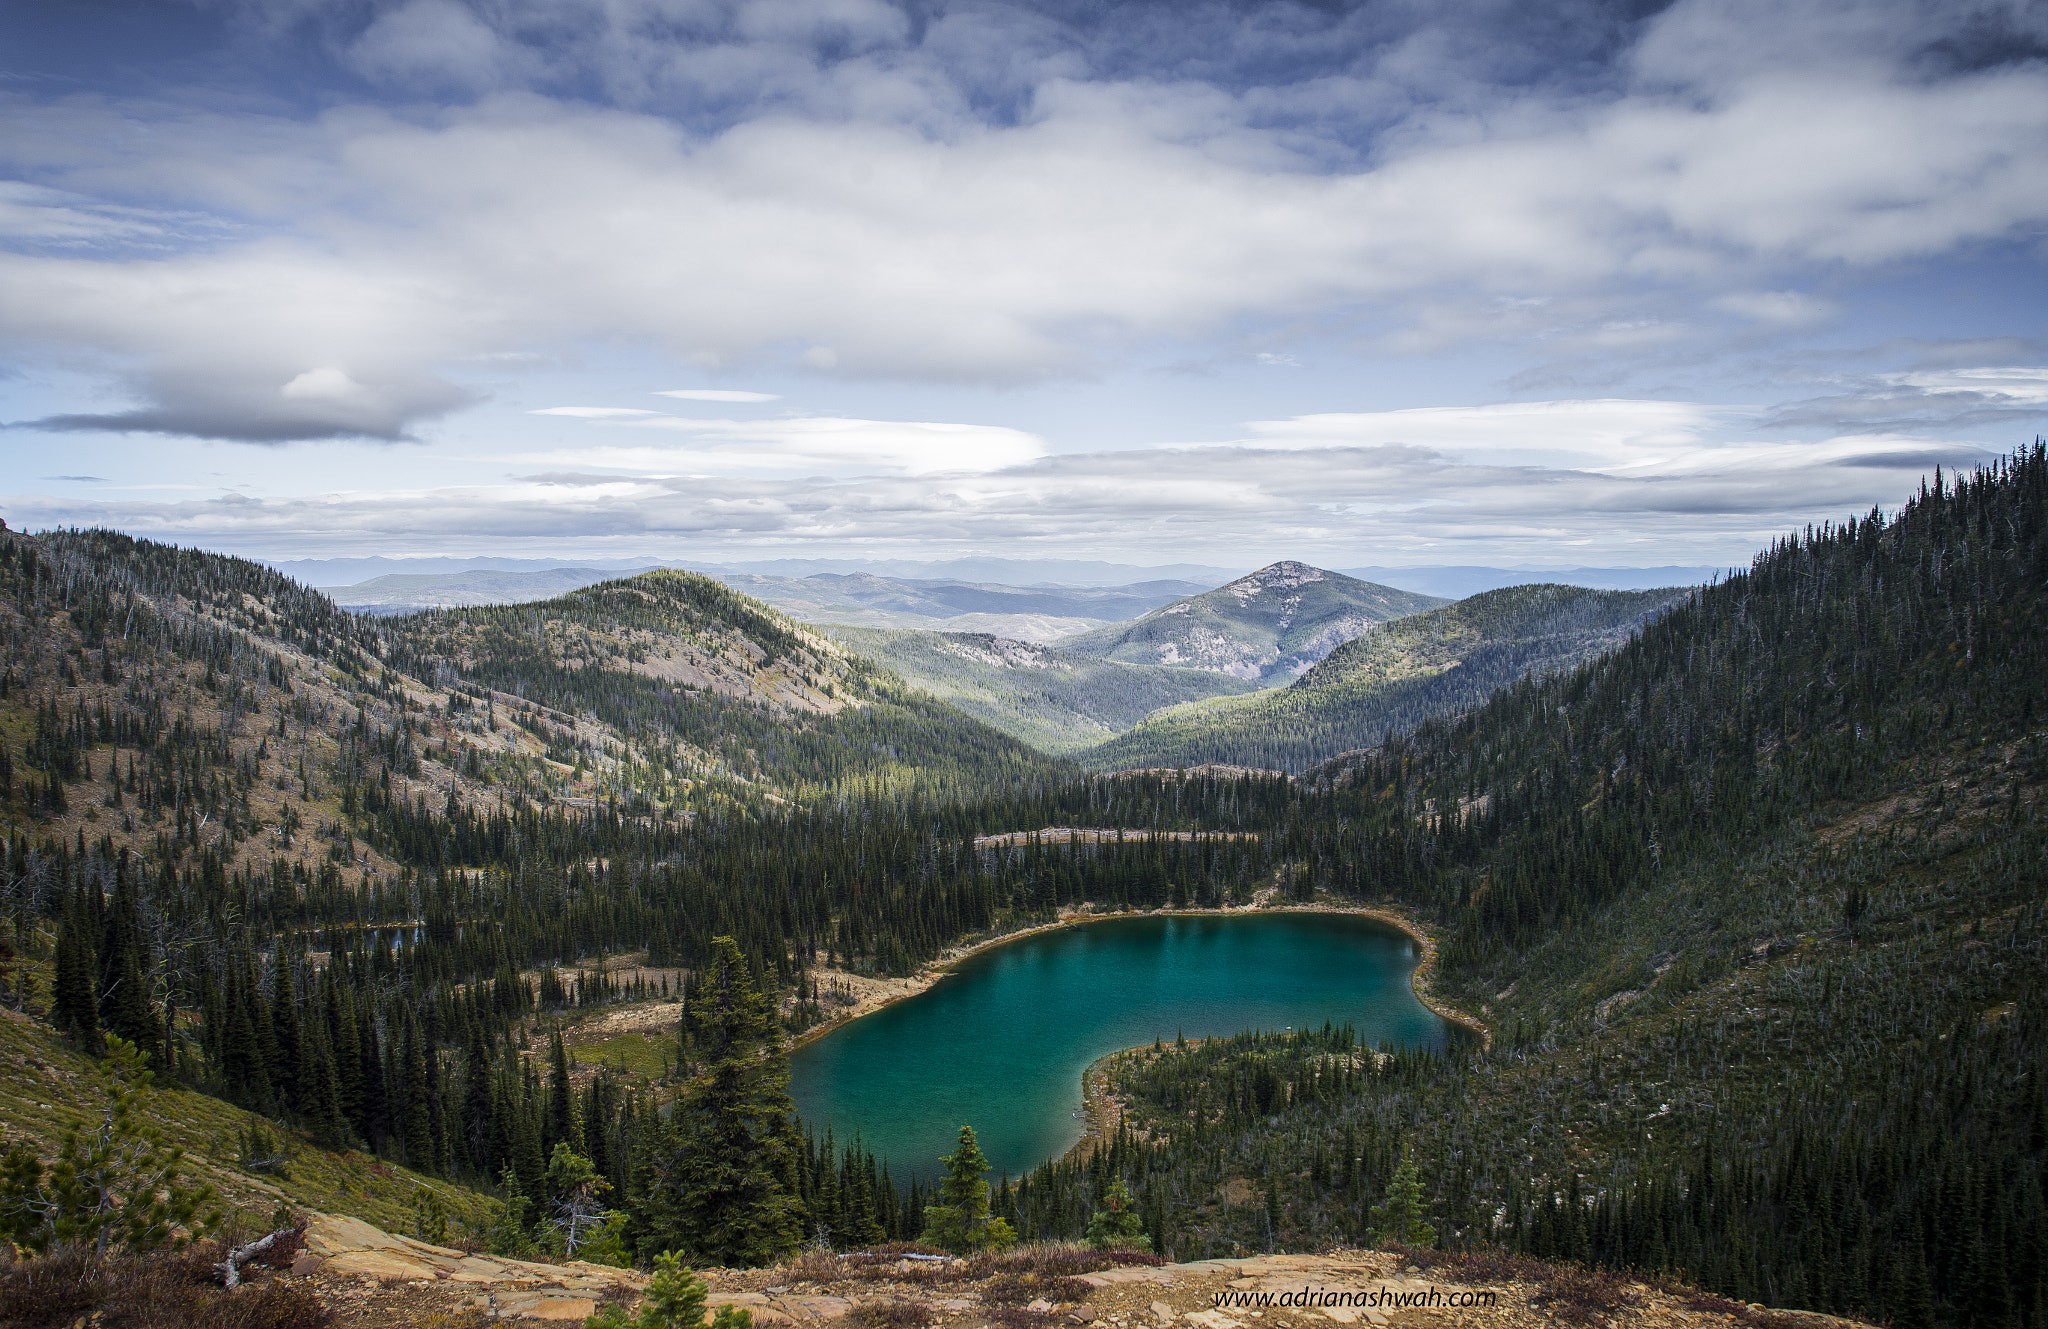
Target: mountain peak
1285, 575
1267, 626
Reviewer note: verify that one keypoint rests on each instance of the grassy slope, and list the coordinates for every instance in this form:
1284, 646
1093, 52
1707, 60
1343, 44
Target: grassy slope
1267, 626
1392, 678
1055, 700
46, 1085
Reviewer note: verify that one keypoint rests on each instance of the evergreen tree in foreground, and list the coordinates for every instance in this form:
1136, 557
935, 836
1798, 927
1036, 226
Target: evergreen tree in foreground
675, 1300
114, 1184
1116, 1226
1403, 1215
961, 1224
724, 1187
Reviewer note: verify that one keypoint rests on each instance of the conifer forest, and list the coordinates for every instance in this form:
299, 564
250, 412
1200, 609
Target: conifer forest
1746, 913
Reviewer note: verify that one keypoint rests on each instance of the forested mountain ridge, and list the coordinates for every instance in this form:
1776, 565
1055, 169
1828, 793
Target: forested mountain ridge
1430, 664
1056, 700
1268, 626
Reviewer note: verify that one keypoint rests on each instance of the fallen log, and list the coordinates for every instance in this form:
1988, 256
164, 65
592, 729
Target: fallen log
230, 1269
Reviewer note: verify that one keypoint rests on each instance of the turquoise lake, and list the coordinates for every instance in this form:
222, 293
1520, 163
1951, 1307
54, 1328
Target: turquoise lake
1000, 1043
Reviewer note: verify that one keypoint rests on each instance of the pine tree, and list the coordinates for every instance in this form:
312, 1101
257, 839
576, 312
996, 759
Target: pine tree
269, 1059
348, 1053
1403, 1215
321, 1092
727, 1191
960, 1222
477, 1132
1117, 1226
288, 1036
115, 1184
562, 1126
75, 1009
241, 1057
419, 1126
128, 1014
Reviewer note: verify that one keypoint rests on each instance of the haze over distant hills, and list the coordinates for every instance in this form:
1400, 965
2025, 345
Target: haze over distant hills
1452, 581
1455, 582
1027, 613
1007, 571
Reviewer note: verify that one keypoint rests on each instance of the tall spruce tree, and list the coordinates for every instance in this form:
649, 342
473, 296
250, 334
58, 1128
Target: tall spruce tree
562, 1124
75, 1007
288, 1037
478, 1128
414, 1098
128, 1010
320, 1092
726, 1191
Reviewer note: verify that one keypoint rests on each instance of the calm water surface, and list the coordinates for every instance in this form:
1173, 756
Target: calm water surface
1001, 1043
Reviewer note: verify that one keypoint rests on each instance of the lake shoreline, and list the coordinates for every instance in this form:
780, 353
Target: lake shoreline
1104, 1112
875, 993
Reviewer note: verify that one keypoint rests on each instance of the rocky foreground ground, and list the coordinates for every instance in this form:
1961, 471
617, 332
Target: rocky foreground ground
370, 1277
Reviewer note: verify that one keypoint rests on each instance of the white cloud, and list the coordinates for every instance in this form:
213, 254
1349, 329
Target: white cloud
1924, 401
801, 445
1781, 309
896, 235
592, 412
1338, 490
1590, 435
717, 394
433, 43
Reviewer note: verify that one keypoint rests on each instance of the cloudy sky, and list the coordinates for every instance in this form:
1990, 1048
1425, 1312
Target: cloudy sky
1536, 282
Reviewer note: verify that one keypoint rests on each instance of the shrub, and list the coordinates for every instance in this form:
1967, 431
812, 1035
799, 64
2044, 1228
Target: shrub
114, 1188
674, 1300
164, 1290
896, 1314
1583, 1296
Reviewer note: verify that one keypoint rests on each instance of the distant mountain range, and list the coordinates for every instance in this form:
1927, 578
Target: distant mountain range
1458, 581
1030, 613
1391, 679
1448, 580
1268, 627
1007, 571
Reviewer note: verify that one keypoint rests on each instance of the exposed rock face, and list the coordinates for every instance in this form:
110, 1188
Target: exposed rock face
340, 1249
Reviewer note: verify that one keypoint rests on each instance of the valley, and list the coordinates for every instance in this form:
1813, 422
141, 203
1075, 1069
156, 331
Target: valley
1746, 882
